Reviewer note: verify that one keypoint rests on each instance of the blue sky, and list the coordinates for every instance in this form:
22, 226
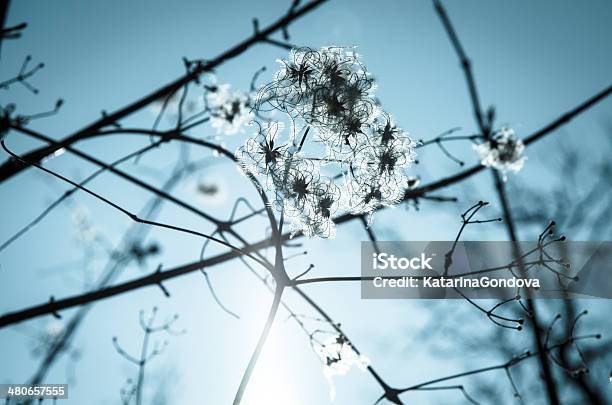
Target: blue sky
532, 60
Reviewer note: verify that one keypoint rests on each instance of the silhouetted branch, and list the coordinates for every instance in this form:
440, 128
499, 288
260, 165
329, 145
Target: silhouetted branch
12, 167
71, 191
23, 75
131, 215
508, 364
485, 126
260, 343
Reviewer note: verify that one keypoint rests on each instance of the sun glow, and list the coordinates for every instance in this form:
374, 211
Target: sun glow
272, 383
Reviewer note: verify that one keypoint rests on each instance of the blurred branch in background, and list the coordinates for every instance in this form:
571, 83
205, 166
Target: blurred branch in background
133, 391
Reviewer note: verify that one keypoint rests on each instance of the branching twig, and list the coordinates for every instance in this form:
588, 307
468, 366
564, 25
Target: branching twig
12, 167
